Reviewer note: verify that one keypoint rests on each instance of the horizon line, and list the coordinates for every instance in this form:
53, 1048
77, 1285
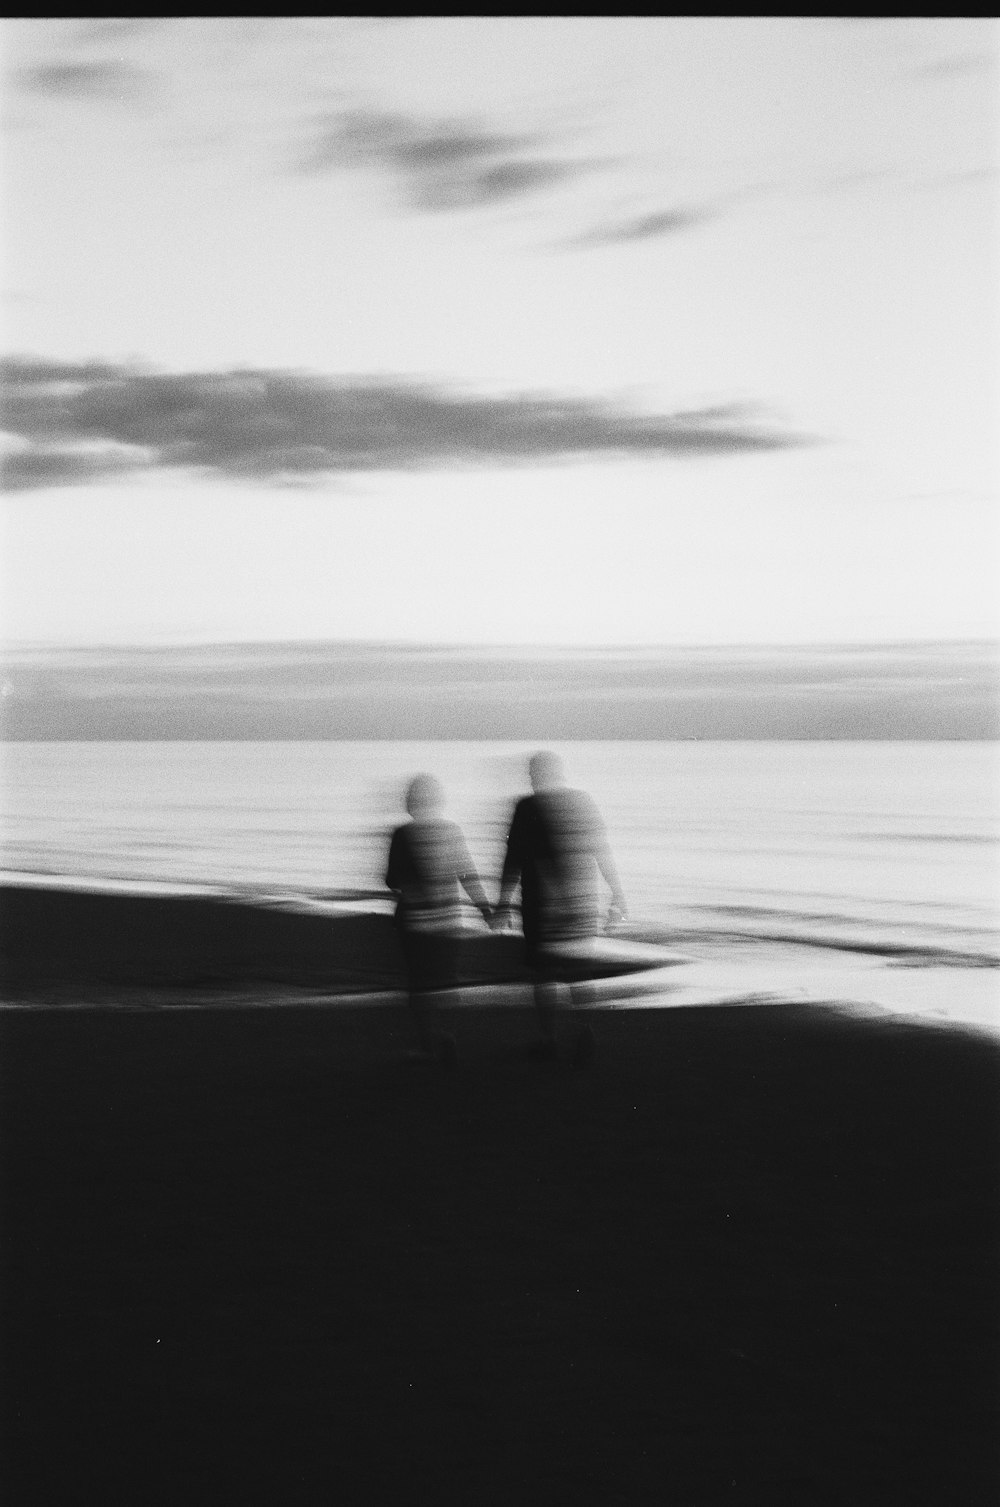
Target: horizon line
494, 647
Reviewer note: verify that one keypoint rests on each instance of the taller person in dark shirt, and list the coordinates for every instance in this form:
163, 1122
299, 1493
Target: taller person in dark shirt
557, 850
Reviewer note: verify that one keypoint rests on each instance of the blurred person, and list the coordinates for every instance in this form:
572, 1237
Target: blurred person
557, 847
428, 862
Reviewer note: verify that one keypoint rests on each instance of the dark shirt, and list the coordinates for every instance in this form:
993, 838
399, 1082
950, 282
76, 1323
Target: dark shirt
428, 860
554, 845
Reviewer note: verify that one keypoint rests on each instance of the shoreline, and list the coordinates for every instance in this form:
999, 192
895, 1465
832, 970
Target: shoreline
56, 938
68, 947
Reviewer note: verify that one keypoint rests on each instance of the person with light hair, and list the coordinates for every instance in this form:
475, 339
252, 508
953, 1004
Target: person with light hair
557, 849
429, 866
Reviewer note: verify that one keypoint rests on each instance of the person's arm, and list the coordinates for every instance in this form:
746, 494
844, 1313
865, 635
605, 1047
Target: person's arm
470, 881
512, 865
393, 873
513, 858
473, 886
606, 864
607, 867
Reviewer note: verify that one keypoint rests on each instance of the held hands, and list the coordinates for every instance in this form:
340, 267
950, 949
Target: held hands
617, 914
502, 920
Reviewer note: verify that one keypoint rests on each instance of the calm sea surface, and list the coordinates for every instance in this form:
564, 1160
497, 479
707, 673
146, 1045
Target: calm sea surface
857, 848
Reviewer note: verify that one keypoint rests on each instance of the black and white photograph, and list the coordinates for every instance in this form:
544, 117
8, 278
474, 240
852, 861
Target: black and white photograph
500, 761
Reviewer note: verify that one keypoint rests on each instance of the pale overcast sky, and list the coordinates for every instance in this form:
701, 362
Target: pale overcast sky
565, 330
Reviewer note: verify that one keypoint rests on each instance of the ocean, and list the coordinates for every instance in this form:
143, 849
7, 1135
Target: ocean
862, 871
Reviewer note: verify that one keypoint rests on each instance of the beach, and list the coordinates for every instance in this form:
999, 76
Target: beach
253, 1254
465, 477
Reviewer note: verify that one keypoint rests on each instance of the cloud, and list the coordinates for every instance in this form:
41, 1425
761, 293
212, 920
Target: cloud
119, 28
60, 466
972, 62
74, 423
641, 227
968, 178
438, 164
98, 81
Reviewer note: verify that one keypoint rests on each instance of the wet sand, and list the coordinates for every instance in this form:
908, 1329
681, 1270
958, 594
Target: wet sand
64, 943
251, 1255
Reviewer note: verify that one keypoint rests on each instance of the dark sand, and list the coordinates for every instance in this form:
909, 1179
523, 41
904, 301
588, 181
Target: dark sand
58, 943
250, 1255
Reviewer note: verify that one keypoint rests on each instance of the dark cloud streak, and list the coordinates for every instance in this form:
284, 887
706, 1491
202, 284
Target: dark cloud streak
79, 423
91, 81
439, 165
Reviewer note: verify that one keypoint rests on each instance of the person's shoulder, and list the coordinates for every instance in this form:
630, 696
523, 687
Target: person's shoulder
439, 832
584, 805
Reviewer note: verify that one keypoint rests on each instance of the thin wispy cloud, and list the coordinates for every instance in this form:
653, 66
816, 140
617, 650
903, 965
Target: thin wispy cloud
645, 227
895, 178
75, 423
118, 29
969, 179
956, 67
438, 164
111, 79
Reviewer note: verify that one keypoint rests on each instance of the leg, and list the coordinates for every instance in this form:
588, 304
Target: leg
436, 1044
545, 989
431, 968
586, 1042
546, 1005
423, 1012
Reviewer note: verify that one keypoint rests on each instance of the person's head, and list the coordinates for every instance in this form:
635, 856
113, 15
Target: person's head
545, 771
424, 795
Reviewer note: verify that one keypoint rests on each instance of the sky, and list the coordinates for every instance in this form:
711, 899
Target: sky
500, 330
